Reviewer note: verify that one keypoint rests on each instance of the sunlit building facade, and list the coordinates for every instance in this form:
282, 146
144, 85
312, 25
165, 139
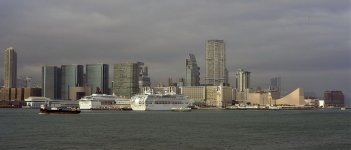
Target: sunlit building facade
216, 71
10, 68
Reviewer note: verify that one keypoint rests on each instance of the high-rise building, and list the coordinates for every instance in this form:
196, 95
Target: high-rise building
71, 76
275, 84
10, 68
126, 79
216, 71
334, 99
97, 78
192, 71
242, 80
51, 82
144, 79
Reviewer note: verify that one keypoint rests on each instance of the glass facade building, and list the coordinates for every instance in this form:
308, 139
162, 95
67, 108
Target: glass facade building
51, 82
334, 99
97, 78
125, 79
192, 71
71, 76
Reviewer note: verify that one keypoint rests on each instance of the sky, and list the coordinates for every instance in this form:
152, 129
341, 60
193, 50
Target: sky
305, 42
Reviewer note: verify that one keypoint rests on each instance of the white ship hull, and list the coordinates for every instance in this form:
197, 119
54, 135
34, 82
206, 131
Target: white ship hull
88, 105
157, 106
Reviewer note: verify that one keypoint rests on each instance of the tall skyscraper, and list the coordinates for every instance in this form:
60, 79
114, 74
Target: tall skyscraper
216, 71
51, 82
275, 84
10, 68
97, 77
71, 76
126, 79
192, 71
242, 80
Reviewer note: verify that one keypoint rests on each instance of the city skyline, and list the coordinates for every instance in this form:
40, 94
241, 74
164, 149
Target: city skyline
305, 43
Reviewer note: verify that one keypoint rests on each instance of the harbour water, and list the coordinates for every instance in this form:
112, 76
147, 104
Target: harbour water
199, 129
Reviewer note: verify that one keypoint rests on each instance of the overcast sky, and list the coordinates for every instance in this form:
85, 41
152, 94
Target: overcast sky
305, 42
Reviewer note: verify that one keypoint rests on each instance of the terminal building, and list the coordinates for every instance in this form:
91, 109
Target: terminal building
272, 98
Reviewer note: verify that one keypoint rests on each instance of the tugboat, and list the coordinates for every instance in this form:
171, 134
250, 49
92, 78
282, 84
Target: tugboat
59, 108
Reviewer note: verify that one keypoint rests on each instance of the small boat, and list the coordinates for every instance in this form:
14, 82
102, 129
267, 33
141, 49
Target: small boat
181, 109
342, 108
61, 109
126, 108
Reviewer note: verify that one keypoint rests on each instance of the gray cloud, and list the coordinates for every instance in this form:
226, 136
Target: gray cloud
305, 42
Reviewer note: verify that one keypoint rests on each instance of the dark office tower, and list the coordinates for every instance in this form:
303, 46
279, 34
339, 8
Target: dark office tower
51, 82
192, 71
334, 99
71, 76
216, 71
10, 68
275, 84
125, 79
144, 79
97, 78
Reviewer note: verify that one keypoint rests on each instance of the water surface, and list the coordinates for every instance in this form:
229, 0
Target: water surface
200, 129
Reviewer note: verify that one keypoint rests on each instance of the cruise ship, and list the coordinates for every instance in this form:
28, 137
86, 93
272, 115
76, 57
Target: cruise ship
158, 102
103, 101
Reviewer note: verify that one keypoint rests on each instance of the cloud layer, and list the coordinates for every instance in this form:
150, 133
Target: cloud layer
307, 43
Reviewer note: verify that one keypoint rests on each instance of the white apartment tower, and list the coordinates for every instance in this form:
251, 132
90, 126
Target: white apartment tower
216, 71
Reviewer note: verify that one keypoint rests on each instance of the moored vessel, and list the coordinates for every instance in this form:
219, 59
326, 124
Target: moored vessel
103, 102
63, 107
152, 101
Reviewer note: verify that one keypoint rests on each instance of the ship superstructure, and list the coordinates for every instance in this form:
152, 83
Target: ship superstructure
103, 101
151, 101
